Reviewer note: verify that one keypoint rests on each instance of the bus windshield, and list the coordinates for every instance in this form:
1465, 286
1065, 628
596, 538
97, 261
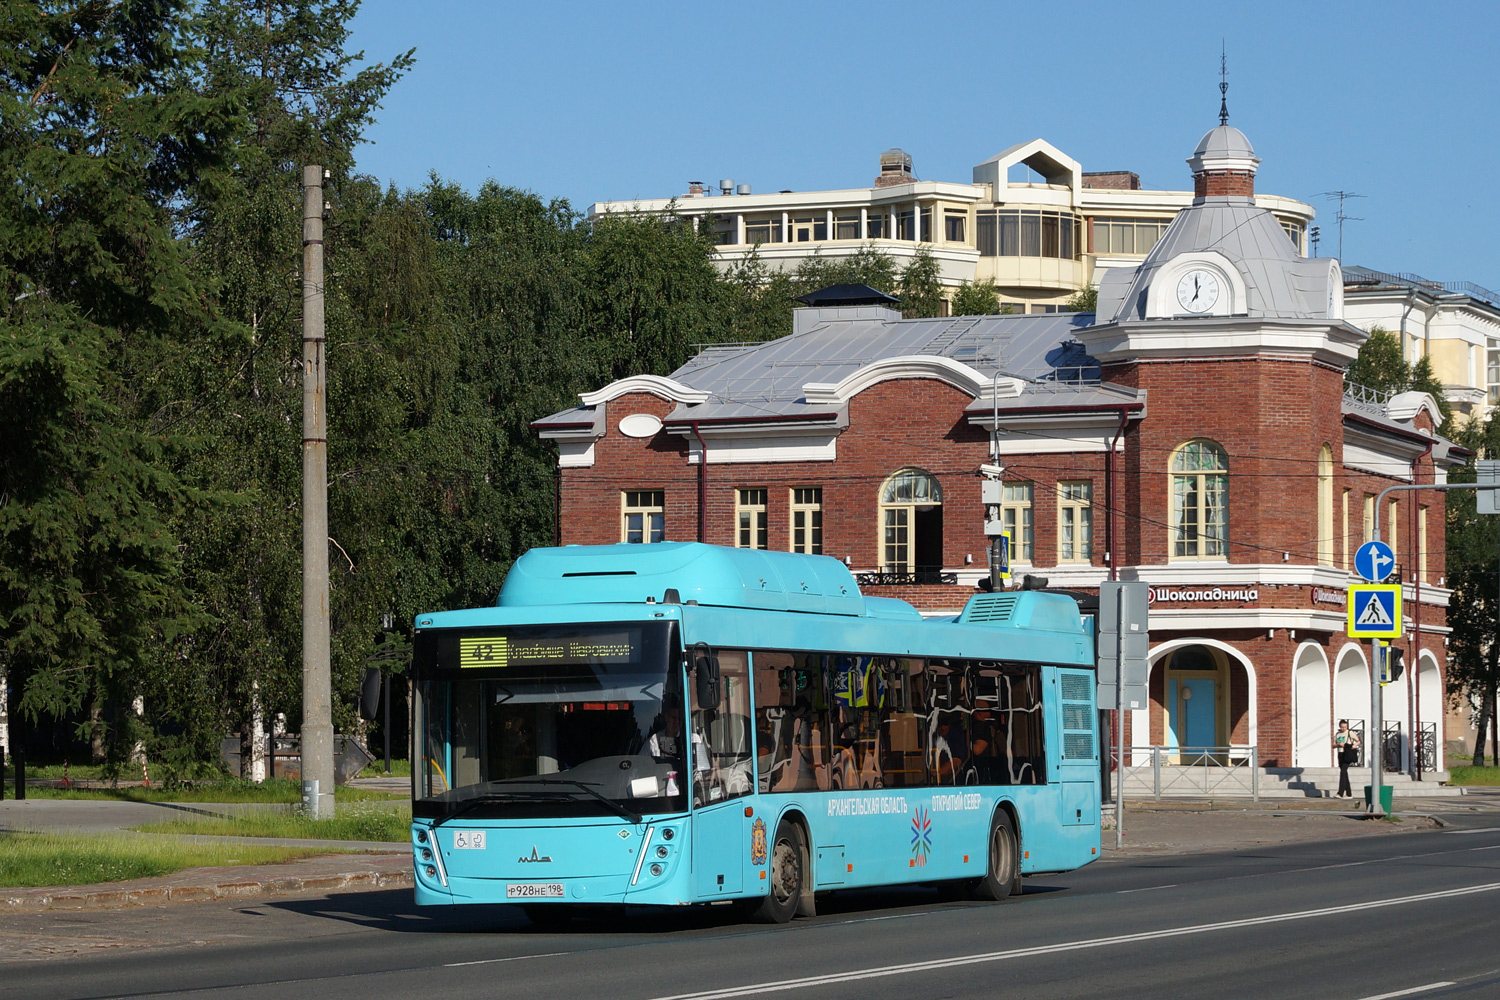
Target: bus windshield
549, 721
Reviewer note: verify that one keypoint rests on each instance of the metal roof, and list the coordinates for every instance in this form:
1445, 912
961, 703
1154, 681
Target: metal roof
755, 382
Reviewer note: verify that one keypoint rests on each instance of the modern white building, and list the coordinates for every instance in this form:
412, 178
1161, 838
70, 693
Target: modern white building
1455, 323
1030, 219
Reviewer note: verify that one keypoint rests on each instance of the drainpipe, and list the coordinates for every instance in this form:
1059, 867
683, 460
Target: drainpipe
1411, 302
557, 503
702, 484
1109, 494
1415, 701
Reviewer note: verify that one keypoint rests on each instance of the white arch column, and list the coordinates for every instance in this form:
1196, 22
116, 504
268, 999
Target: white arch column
1430, 700
1312, 705
1351, 690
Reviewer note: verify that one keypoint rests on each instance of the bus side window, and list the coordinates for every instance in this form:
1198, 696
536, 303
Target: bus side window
1019, 727
901, 742
947, 723
775, 726
722, 737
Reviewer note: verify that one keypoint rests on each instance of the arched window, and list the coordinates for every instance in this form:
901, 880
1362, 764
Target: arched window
1325, 506
1200, 501
911, 522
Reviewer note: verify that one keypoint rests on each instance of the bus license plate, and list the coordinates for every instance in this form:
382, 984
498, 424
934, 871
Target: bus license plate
533, 890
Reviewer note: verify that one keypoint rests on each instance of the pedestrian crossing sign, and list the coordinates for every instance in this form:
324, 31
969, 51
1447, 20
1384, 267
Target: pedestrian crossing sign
1375, 611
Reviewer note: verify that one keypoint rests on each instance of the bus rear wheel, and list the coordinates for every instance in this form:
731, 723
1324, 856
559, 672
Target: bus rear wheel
1002, 877
786, 875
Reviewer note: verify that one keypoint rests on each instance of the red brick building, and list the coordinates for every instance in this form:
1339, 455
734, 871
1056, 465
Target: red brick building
1194, 433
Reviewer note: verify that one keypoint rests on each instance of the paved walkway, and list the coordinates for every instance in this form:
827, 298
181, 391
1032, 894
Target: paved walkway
1151, 829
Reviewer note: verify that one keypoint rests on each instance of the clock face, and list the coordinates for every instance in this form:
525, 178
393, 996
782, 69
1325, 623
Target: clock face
1198, 291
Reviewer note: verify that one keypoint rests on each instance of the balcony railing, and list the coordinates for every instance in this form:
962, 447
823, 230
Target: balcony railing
901, 578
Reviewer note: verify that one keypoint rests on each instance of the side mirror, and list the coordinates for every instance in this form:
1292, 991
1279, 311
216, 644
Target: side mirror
706, 676
369, 694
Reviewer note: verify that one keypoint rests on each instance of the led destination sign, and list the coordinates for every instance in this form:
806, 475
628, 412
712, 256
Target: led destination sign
501, 651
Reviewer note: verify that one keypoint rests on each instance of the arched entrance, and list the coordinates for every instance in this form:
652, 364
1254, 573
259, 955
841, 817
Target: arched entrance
1430, 705
1222, 681
1312, 702
1195, 698
1351, 691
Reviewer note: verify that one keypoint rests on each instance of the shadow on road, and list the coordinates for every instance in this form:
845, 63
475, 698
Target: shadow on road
393, 910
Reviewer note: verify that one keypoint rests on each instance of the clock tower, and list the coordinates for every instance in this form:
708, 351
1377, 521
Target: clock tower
1238, 341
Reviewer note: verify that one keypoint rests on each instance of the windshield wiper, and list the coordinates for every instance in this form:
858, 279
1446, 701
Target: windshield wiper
619, 810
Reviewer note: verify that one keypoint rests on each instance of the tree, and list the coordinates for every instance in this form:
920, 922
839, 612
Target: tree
1474, 611
1085, 300
920, 292
105, 137
1381, 367
978, 298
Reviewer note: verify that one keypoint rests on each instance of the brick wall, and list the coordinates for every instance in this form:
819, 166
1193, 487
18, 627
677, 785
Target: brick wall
1217, 183
1272, 416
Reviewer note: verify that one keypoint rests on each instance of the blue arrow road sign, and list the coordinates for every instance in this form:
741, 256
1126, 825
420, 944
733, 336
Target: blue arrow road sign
1374, 561
1375, 611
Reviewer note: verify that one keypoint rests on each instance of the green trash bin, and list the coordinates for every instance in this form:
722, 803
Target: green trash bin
1385, 797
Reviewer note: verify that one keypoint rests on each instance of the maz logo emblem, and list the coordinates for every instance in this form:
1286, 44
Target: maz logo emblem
535, 859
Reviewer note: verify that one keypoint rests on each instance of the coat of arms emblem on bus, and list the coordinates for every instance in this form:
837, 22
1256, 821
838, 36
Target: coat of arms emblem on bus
758, 842
921, 836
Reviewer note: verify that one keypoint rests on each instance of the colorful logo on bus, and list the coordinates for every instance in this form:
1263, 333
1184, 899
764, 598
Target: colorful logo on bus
921, 836
758, 842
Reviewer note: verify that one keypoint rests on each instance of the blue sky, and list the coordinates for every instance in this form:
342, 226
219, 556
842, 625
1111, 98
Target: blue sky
601, 101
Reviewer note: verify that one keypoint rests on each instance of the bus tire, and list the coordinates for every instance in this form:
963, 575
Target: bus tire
786, 876
1002, 875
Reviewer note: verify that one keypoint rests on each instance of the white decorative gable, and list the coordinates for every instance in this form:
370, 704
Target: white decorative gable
944, 369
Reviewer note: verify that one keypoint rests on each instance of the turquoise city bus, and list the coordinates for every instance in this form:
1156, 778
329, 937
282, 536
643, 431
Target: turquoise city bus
680, 723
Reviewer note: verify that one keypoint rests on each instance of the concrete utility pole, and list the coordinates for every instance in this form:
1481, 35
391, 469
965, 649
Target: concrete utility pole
317, 699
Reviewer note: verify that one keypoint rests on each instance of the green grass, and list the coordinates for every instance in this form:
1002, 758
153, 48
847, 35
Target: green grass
230, 790
43, 859
1474, 775
363, 821
399, 768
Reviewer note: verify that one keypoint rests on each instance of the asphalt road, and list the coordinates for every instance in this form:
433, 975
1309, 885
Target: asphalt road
1411, 915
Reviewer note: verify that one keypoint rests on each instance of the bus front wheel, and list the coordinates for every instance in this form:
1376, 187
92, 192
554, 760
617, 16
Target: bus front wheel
786, 875
1003, 875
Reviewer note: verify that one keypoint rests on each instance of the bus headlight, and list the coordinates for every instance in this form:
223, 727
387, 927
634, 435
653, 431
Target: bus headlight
430, 871
661, 852
656, 869
421, 836
426, 854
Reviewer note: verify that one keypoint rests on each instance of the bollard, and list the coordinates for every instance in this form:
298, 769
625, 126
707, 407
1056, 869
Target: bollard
66, 782
144, 776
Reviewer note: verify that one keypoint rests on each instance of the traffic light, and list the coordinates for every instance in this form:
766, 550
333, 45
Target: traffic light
1390, 664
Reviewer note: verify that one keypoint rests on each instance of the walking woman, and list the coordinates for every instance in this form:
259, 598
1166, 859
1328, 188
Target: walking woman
1346, 746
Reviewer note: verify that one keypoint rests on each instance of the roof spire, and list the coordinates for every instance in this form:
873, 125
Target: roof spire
1223, 87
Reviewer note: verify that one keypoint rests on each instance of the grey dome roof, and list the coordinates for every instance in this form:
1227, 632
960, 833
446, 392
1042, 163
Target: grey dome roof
1224, 141
1278, 283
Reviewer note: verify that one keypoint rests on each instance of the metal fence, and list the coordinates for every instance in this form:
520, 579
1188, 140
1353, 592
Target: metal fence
1197, 771
1427, 746
1390, 745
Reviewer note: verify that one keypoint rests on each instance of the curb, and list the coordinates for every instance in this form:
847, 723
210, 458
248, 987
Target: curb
107, 899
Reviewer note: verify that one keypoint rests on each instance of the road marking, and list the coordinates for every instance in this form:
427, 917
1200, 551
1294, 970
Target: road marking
1149, 888
1407, 993
1492, 847
1488, 829
513, 958
1052, 949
